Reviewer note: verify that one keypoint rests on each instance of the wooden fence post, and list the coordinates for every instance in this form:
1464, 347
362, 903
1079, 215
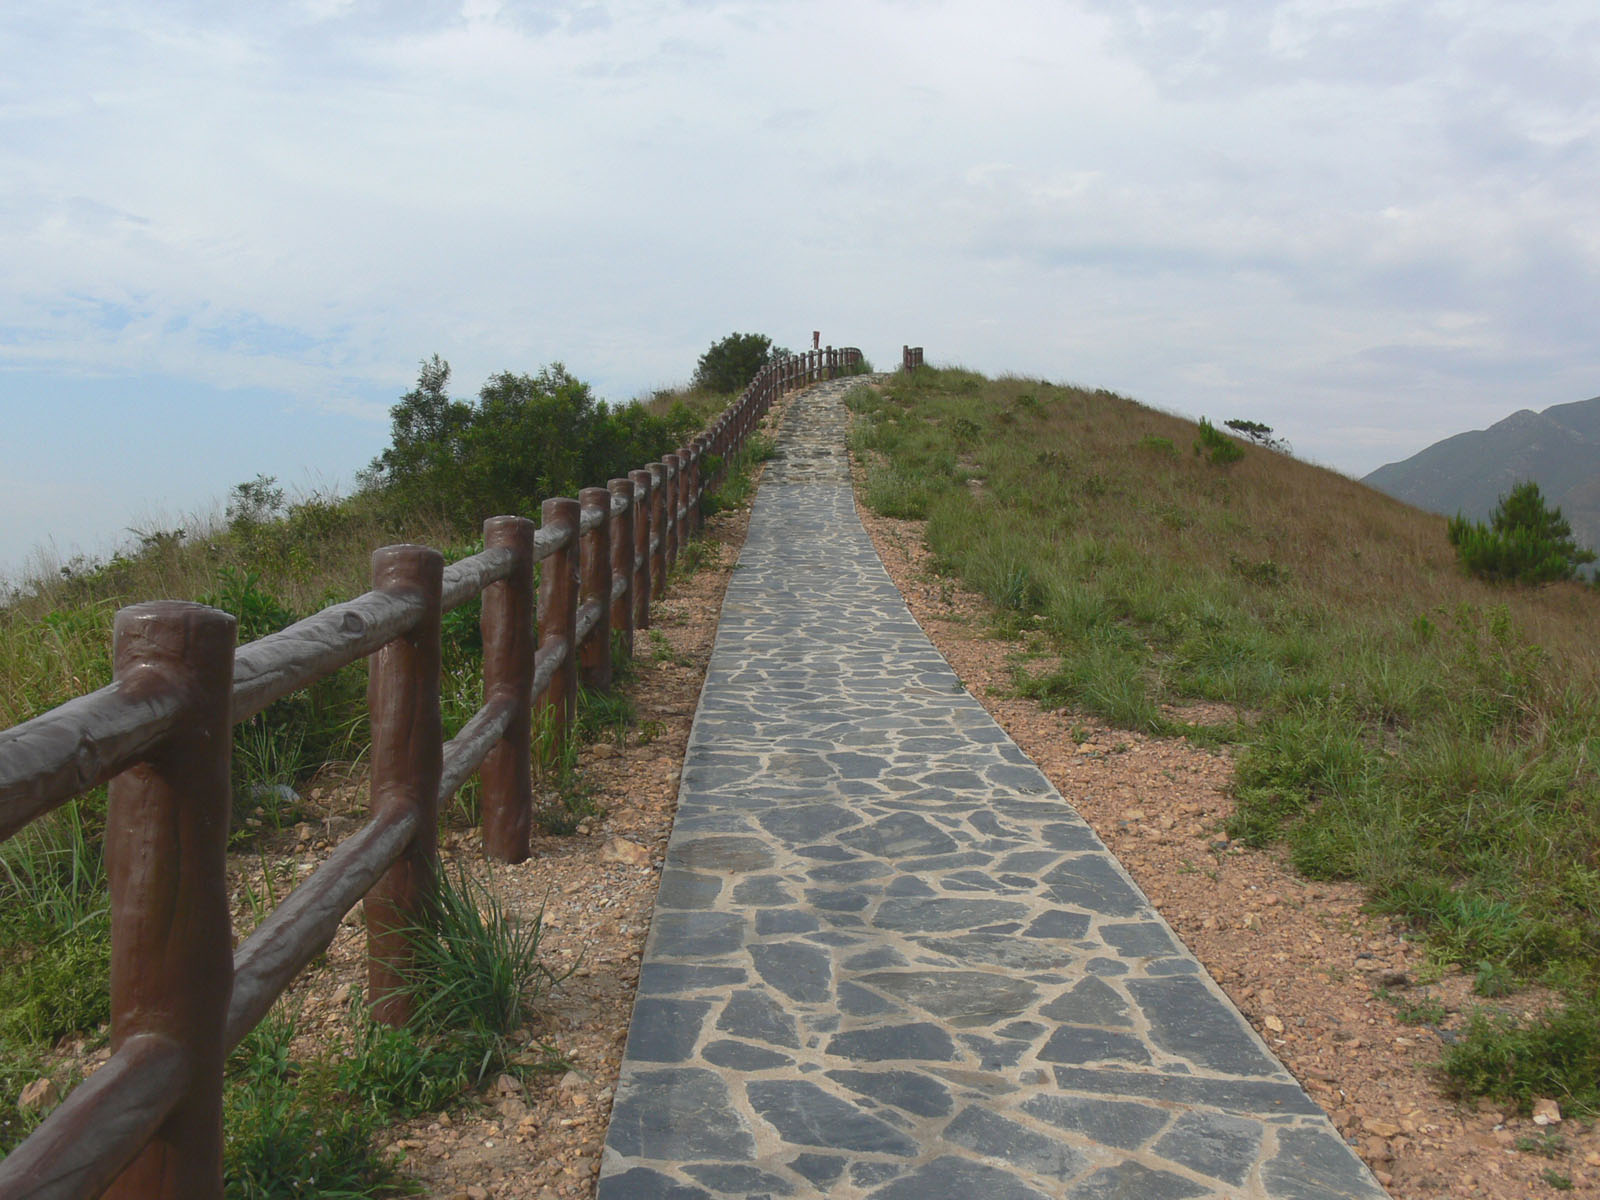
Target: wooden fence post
594, 588
643, 506
507, 624
673, 465
166, 859
407, 759
557, 709
658, 529
622, 560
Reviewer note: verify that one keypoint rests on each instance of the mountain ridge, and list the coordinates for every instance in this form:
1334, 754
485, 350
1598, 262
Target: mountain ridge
1558, 448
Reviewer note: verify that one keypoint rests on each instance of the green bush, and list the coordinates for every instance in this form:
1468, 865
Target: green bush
1525, 541
1218, 448
729, 365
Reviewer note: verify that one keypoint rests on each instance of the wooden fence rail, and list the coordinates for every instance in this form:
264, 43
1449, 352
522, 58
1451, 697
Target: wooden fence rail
148, 1124
910, 358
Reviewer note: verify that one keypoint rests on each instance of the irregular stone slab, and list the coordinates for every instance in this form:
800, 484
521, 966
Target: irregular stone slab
900, 836
1109, 1122
910, 1090
890, 1042
641, 1183
1131, 1179
799, 971
1091, 1002
742, 1056
658, 977
1093, 883
1223, 1147
754, 1016
963, 998
1142, 939
697, 935
1000, 950
685, 889
665, 1031
941, 915
1244, 1096
1313, 1164
805, 1115
1187, 1020
820, 1169
1082, 1044
991, 1134
803, 823
739, 1180
856, 1001
951, 1178
679, 1114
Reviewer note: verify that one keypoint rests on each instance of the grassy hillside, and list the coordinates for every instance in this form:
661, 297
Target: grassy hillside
1399, 724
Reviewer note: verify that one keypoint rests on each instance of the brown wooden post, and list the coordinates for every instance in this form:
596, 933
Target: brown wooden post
673, 466
594, 587
697, 480
643, 506
658, 529
507, 623
831, 364
558, 618
166, 859
622, 550
407, 758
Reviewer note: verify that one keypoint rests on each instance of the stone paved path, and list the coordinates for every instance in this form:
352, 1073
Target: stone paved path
888, 959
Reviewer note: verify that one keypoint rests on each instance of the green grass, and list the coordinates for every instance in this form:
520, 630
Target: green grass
1428, 735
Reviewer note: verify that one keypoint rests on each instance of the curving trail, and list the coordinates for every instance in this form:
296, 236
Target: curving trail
888, 960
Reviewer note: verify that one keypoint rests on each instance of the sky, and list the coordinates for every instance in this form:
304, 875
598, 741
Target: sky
229, 232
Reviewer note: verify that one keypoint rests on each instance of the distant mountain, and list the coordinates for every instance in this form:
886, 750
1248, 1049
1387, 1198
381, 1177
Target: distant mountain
1558, 448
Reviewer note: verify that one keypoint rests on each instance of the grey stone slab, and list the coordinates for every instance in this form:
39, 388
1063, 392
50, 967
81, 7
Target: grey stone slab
1090, 1002
1093, 883
763, 891
1119, 1123
1247, 1097
951, 1178
820, 1169
1186, 1019
939, 915
685, 889
805, 1115
656, 978
742, 1056
641, 1183
963, 998
739, 1180
1140, 939
1085, 1044
1058, 923
900, 835
856, 1001
697, 935
920, 1040
1313, 1164
910, 1090
1213, 1144
803, 823
1131, 1179
989, 1134
776, 921
798, 970
755, 1016
678, 1114
663, 1030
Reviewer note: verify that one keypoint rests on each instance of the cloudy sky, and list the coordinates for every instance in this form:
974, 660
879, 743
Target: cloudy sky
229, 231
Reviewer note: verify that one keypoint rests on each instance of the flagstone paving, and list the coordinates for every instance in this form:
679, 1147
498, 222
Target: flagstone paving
888, 960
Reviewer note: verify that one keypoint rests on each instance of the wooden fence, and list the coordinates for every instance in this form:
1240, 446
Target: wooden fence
910, 358
148, 1123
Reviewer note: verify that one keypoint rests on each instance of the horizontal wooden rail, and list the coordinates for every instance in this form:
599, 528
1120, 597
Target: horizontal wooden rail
147, 1124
